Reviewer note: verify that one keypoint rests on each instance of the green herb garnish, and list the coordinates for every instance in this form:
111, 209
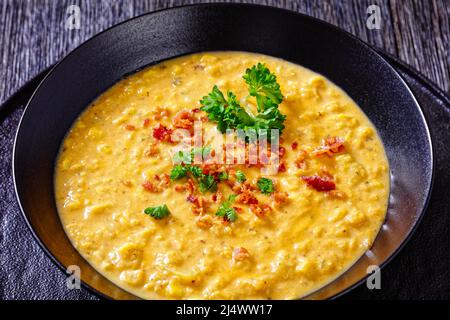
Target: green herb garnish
226, 210
263, 86
240, 176
223, 176
229, 114
158, 212
207, 183
265, 185
178, 172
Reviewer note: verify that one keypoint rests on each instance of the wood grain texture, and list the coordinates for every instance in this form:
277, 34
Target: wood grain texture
33, 34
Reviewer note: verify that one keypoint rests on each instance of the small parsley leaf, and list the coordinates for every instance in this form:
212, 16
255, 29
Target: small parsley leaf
158, 212
207, 183
265, 185
178, 172
240, 176
226, 210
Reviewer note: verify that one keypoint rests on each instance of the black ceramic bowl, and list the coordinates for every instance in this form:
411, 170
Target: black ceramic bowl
102, 61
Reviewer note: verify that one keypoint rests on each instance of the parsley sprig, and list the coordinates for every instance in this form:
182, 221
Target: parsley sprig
229, 114
226, 210
206, 182
158, 212
265, 185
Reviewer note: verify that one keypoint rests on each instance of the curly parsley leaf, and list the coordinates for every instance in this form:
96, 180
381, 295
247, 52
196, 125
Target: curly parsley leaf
196, 171
265, 185
223, 176
158, 212
229, 114
226, 112
178, 172
207, 183
263, 85
226, 210
240, 176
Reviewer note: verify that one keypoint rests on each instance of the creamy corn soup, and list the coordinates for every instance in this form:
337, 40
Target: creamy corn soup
162, 230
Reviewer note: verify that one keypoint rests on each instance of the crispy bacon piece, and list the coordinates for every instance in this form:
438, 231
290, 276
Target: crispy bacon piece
330, 146
240, 254
294, 145
237, 209
162, 133
199, 205
300, 159
279, 198
180, 188
165, 179
246, 197
152, 150
146, 122
217, 197
190, 186
130, 127
260, 210
335, 194
282, 167
320, 183
191, 198
204, 222
281, 151
150, 187
184, 120
160, 113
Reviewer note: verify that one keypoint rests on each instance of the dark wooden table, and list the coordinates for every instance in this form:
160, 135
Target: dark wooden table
33, 36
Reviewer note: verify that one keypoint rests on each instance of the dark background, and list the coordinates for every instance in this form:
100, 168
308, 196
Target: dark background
33, 37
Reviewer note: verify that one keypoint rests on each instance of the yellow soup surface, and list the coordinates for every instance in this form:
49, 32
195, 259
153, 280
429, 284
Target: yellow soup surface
283, 245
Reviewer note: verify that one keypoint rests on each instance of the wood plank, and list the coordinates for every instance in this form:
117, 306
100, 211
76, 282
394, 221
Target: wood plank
33, 36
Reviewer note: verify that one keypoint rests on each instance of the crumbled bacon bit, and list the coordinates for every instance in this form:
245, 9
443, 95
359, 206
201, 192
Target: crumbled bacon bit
335, 194
279, 198
147, 185
237, 209
152, 150
195, 110
204, 222
240, 254
260, 210
162, 133
246, 197
165, 179
199, 205
190, 186
160, 113
217, 197
180, 188
320, 183
282, 167
130, 127
281, 151
146, 122
191, 198
294, 145
183, 120
330, 146
300, 160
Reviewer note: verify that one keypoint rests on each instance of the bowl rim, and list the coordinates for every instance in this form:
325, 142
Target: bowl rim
50, 70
